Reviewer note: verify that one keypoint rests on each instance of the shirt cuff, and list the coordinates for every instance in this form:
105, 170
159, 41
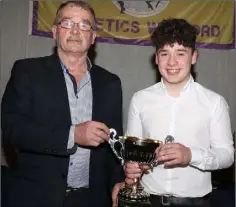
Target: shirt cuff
71, 140
197, 157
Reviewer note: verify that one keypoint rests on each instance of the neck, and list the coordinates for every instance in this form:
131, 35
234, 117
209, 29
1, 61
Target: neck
175, 89
74, 62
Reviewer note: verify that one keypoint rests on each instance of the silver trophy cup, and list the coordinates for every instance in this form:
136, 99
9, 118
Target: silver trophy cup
133, 149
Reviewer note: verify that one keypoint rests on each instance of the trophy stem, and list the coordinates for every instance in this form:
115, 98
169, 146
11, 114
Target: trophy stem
137, 186
134, 192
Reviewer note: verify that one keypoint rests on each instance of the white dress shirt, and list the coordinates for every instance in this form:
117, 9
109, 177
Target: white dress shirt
198, 119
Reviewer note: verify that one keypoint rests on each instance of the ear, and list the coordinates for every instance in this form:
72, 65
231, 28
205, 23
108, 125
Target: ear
54, 32
156, 58
194, 57
94, 37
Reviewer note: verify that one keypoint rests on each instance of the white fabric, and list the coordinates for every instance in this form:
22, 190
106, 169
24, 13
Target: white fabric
198, 119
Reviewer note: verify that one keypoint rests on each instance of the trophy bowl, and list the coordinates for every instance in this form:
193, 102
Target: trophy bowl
133, 149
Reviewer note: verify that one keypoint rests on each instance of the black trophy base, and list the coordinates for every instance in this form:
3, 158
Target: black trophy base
123, 203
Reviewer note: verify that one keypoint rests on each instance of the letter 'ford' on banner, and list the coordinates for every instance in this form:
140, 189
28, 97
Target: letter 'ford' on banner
132, 22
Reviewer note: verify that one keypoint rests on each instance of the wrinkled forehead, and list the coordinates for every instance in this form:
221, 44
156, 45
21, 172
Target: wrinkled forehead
74, 12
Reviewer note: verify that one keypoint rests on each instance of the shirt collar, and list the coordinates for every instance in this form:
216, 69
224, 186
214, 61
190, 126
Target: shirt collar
184, 89
65, 69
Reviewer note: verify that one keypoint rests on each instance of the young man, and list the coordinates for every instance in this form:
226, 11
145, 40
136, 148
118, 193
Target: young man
56, 112
197, 118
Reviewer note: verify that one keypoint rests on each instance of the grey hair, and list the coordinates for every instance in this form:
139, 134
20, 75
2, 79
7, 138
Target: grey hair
81, 4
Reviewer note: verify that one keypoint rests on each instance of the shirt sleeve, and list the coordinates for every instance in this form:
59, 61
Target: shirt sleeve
71, 139
221, 152
134, 125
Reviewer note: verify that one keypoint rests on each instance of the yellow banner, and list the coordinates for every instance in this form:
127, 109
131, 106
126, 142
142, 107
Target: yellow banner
132, 22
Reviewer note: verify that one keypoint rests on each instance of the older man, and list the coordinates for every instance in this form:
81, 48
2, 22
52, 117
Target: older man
56, 112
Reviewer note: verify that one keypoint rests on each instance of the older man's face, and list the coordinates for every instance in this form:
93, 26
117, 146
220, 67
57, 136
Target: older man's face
74, 40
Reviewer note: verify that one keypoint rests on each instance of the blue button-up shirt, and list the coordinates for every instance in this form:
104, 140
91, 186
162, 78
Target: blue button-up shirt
80, 101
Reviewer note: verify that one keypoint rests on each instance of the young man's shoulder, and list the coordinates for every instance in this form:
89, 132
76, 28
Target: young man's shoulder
147, 92
208, 94
150, 89
206, 90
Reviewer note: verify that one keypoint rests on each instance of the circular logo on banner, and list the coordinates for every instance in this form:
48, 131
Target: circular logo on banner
141, 8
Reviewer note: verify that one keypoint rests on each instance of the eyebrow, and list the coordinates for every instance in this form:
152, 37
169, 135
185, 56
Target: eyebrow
178, 50
162, 50
181, 50
86, 21
69, 18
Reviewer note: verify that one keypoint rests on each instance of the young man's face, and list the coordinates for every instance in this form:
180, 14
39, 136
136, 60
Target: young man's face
174, 62
74, 40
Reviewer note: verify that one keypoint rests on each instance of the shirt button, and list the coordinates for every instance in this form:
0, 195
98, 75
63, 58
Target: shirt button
71, 163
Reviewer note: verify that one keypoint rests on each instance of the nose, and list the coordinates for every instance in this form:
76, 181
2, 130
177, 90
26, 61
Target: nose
75, 29
172, 60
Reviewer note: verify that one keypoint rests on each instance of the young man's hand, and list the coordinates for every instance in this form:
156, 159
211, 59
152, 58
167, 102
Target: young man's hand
174, 154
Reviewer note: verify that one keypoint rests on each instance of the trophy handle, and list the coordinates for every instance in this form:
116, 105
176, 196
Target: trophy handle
112, 141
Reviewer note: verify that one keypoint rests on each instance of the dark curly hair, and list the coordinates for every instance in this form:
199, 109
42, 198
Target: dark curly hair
170, 31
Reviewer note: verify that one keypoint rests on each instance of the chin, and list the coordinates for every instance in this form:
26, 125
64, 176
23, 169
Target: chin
174, 80
75, 49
